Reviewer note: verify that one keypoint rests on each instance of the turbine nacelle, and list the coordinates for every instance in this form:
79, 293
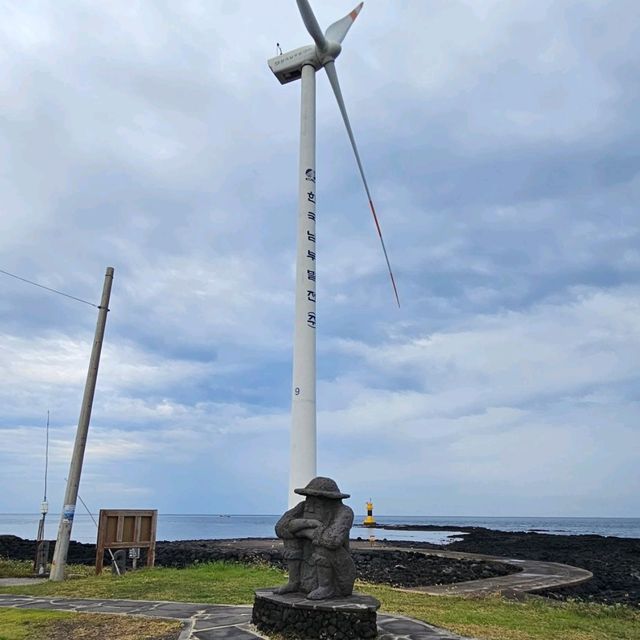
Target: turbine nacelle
287, 67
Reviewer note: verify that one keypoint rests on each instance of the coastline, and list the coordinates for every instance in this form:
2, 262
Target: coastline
614, 562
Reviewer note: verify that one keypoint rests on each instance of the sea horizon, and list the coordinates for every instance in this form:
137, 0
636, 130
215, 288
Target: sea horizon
183, 526
385, 515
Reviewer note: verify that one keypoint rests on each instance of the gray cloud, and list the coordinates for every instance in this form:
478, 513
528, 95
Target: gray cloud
500, 141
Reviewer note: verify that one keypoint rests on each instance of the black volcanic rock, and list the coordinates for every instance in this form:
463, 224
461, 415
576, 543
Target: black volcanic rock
398, 568
614, 562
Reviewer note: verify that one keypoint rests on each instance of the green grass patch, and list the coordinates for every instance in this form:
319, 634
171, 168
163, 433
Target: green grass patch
496, 618
24, 569
216, 582
15, 568
21, 624
490, 618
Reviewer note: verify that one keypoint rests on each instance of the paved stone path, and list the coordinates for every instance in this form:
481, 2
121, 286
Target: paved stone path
534, 576
214, 621
18, 582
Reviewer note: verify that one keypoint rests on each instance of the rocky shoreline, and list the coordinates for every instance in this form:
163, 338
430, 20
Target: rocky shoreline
384, 566
615, 562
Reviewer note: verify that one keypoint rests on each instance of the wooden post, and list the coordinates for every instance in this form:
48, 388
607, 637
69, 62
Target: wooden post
75, 469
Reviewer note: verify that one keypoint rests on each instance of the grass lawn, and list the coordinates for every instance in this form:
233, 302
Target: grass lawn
222, 583
23, 624
491, 618
495, 618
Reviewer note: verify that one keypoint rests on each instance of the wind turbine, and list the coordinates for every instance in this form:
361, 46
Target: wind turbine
302, 64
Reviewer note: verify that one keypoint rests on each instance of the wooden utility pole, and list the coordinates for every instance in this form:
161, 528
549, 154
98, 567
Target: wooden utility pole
75, 469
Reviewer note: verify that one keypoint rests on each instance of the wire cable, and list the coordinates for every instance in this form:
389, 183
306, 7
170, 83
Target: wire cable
89, 512
36, 284
115, 564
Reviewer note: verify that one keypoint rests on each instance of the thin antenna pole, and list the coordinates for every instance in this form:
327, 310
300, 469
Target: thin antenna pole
75, 469
46, 460
42, 548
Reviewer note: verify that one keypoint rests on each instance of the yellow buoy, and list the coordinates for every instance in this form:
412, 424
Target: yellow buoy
369, 521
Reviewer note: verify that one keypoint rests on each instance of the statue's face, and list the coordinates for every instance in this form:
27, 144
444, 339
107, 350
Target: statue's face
320, 508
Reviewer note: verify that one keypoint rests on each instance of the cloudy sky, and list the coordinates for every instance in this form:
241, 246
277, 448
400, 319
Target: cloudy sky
501, 141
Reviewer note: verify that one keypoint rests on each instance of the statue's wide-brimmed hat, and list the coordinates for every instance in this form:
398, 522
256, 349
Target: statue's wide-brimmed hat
322, 488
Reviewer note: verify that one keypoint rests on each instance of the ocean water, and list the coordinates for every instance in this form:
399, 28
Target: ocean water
194, 527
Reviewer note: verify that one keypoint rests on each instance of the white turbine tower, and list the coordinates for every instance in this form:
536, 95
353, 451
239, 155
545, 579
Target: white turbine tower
302, 64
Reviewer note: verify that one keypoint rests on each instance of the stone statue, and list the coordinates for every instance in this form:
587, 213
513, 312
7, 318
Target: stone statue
316, 542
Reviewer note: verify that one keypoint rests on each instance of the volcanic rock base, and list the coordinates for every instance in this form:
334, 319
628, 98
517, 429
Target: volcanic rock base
293, 616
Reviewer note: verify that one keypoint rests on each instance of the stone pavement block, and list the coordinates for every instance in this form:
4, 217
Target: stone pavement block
115, 605
406, 628
221, 620
224, 608
144, 608
12, 602
228, 633
173, 610
76, 602
40, 604
127, 603
105, 608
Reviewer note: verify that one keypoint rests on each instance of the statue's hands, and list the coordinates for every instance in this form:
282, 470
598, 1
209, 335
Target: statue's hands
298, 525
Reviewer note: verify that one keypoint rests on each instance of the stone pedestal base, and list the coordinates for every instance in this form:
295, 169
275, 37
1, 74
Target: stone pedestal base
293, 616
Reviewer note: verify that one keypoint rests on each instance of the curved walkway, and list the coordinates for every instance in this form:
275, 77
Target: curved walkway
214, 621
534, 575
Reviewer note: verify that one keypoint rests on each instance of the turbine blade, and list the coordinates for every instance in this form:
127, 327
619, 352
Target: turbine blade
330, 68
338, 30
312, 24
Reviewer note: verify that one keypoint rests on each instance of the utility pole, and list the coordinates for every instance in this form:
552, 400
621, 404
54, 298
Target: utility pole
75, 469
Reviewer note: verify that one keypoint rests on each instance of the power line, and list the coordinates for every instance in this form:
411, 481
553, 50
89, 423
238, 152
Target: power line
61, 293
87, 509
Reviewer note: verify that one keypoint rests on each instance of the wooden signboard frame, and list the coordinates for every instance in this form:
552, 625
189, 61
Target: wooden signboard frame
126, 529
